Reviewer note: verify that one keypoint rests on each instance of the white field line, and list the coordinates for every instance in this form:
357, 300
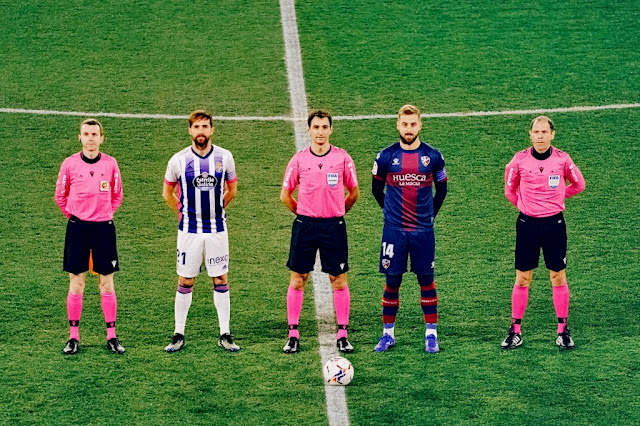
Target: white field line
337, 412
302, 118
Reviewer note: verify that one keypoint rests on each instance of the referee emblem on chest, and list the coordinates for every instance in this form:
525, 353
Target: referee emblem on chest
104, 186
554, 181
332, 179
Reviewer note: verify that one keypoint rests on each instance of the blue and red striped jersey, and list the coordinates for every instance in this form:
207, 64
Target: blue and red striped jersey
408, 177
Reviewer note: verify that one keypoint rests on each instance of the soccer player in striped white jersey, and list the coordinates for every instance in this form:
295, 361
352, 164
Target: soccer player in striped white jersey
199, 184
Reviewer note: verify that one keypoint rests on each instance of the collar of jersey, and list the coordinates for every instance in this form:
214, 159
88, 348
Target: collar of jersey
90, 160
326, 153
539, 156
200, 156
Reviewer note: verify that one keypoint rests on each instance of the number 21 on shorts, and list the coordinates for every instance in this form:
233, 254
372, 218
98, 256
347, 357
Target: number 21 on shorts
181, 257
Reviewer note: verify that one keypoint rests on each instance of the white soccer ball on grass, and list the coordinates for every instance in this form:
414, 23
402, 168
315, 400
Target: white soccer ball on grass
338, 371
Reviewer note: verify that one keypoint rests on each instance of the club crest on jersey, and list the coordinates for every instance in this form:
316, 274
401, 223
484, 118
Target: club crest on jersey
332, 179
218, 167
104, 186
425, 159
554, 181
386, 263
205, 182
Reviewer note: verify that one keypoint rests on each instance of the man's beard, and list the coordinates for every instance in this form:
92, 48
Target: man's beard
199, 144
403, 140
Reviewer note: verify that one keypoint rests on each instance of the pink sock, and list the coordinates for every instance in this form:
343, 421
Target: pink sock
342, 305
561, 304
74, 311
519, 300
109, 309
294, 306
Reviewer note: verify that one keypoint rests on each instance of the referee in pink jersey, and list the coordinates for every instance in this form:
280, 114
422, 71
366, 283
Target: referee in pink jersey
536, 183
88, 192
321, 173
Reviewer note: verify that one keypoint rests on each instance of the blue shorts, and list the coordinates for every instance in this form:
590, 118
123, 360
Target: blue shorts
398, 246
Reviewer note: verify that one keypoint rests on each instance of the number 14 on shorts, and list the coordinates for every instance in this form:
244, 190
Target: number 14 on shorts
387, 250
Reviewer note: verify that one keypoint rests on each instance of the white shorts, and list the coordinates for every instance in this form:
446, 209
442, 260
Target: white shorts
193, 249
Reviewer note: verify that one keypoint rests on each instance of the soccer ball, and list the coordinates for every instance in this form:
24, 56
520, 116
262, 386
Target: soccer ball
338, 371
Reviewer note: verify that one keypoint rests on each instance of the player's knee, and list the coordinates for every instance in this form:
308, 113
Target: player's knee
393, 281
425, 279
222, 279
298, 281
523, 278
186, 281
76, 283
558, 278
339, 282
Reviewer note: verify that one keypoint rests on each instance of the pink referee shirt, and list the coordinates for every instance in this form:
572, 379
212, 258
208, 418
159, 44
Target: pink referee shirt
90, 192
321, 181
538, 187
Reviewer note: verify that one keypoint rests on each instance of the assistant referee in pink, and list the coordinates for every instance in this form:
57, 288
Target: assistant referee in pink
321, 173
536, 183
88, 192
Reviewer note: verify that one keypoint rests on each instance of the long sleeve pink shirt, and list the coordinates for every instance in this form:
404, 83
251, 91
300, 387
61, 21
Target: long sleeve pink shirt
321, 181
538, 188
89, 191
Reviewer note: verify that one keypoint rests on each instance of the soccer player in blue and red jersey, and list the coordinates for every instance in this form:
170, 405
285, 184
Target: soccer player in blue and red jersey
88, 192
409, 169
199, 184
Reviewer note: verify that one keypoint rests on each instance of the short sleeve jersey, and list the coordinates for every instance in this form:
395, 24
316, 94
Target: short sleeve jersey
409, 178
321, 181
538, 187
89, 191
201, 188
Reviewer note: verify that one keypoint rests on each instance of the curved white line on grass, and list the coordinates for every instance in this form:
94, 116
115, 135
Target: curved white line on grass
337, 412
302, 119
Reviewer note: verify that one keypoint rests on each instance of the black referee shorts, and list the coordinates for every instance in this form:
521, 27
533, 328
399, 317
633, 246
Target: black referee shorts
329, 235
536, 233
98, 238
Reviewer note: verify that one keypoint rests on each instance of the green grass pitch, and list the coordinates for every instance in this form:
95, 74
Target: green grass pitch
359, 57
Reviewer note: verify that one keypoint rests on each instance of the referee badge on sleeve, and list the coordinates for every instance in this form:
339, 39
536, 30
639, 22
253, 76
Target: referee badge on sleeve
332, 179
104, 186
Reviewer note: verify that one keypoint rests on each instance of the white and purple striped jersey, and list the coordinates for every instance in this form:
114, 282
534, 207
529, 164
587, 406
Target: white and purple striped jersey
201, 188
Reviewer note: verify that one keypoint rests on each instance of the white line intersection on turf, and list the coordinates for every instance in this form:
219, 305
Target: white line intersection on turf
337, 412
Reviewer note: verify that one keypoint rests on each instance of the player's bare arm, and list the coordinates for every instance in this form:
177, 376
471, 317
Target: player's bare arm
352, 197
287, 198
230, 192
169, 195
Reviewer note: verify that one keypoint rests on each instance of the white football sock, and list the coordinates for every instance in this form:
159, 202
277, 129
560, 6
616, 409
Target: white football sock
182, 305
223, 306
389, 329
